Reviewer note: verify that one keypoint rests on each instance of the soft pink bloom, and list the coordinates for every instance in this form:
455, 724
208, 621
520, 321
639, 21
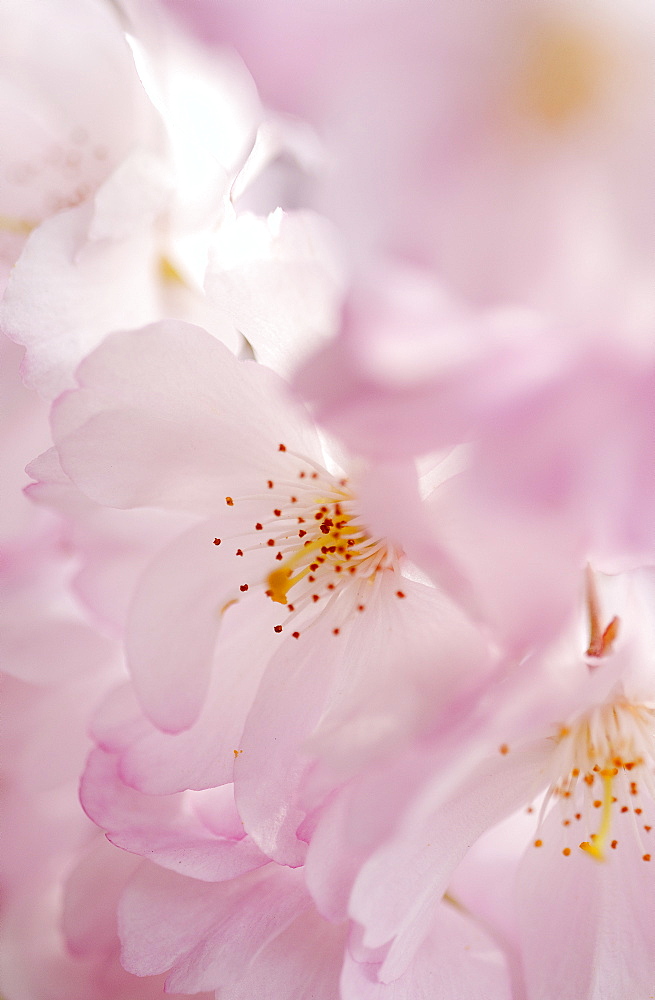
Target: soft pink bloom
589, 851
132, 246
72, 109
277, 615
324, 675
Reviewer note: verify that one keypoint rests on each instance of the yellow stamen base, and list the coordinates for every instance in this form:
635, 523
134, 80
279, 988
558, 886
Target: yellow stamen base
596, 848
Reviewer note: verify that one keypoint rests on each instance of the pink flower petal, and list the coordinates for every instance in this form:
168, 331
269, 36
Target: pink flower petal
197, 928
587, 927
161, 827
455, 960
168, 417
172, 629
204, 755
395, 892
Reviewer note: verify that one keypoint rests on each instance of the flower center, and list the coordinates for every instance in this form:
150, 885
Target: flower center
600, 762
334, 543
603, 758
566, 68
320, 547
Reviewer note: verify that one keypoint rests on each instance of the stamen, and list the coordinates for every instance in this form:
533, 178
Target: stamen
597, 848
319, 544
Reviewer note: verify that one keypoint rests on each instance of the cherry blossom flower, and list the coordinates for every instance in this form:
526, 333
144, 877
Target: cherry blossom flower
72, 109
589, 853
354, 673
133, 246
279, 610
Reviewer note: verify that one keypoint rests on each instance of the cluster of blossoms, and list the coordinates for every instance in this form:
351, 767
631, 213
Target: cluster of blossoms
328, 617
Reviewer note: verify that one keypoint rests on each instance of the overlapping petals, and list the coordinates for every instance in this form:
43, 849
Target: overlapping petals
326, 623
